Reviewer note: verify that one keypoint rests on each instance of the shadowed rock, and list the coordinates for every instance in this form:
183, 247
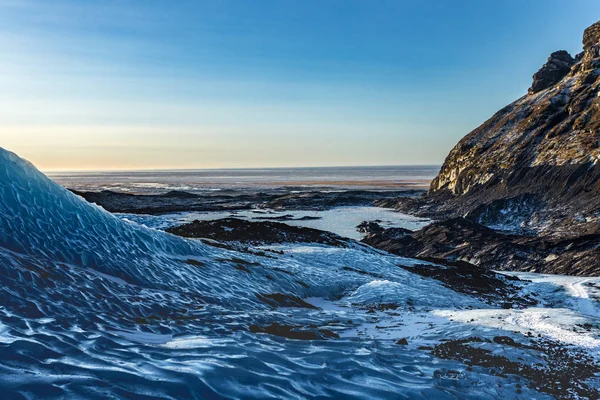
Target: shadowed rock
558, 66
264, 232
545, 144
284, 300
277, 198
369, 227
295, 332
533, 168
460, 239
561, 372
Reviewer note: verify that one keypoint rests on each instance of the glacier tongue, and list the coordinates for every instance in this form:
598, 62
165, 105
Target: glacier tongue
40, 219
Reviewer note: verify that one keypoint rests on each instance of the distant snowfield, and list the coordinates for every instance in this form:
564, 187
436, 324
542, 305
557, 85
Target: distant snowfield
95, 307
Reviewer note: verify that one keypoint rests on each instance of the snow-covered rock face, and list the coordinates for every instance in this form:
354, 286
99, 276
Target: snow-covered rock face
545, 143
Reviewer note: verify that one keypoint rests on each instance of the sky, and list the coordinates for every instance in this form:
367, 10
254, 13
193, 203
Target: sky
138, 84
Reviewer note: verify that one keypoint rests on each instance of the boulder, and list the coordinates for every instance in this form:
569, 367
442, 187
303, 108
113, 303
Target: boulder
558, 66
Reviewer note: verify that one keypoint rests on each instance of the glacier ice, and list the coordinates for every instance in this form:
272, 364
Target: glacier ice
92, 306
43, 220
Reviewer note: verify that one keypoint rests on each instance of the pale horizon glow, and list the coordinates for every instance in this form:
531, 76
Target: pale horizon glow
136, 85
55, 172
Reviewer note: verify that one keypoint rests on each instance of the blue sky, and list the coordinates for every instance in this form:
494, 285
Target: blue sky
199, 84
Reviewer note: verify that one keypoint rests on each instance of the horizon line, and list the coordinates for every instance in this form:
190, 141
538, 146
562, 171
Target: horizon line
56, 171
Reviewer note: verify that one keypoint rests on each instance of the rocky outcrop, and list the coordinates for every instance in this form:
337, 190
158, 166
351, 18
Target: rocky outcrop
564, 373
444, 244
256, 233
462, 240
522, 191
591, 42
487, 285
545, 145
558, 66
230, 200
369, 227
174, 201
325, 200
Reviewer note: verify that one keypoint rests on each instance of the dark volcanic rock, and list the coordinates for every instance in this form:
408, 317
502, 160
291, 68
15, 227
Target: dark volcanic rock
176, 201
483, 283
180, 194
369, 227
448, 244
533, 169
460, 239
266, 232
173, 201
326, 200
509, 214
560, 371
393, 240
558, 66
295, 332
545, 144
287, 217
307, 218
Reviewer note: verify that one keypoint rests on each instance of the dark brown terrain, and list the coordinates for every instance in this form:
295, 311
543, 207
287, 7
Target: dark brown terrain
460, 239
280, 199
256, 233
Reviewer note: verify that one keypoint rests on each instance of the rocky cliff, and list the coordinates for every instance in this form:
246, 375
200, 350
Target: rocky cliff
522, 191
543, 149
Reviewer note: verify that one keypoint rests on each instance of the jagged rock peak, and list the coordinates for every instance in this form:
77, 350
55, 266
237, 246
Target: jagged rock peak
591, 36
558, 66
591, 46
545, 144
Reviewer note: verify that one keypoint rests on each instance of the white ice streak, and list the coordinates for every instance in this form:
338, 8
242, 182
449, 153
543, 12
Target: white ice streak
552, 323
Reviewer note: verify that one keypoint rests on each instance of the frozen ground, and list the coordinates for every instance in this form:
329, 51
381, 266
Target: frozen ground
96, 307
340, 220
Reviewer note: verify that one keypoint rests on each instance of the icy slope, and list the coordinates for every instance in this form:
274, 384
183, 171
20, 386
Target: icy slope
45, 221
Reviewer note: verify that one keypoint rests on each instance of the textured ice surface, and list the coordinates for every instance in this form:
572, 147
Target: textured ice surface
92, 306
